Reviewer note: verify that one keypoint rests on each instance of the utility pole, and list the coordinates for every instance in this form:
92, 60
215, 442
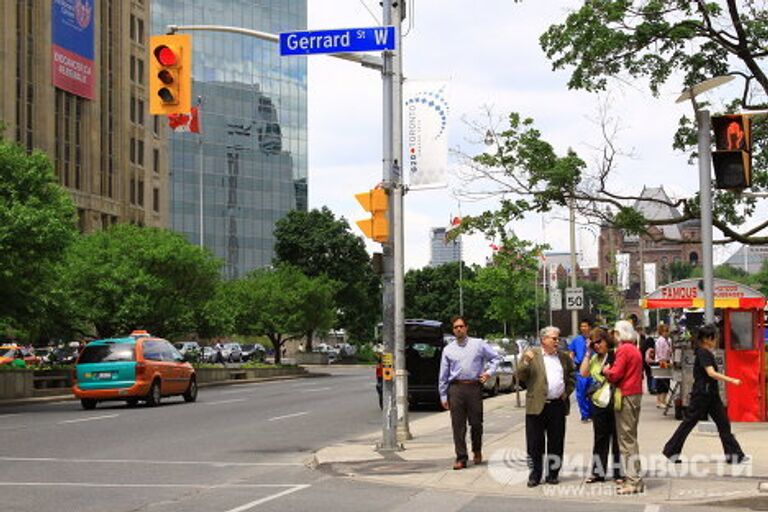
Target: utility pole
395, 422
705, 194
572, 226
395, 17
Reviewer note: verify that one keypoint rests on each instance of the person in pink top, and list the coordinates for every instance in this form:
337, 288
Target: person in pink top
626, 374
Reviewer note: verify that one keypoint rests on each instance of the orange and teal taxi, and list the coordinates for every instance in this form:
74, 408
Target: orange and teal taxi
137, 367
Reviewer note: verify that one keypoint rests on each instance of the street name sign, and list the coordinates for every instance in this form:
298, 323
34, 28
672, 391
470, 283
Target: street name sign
574, 298
346, 40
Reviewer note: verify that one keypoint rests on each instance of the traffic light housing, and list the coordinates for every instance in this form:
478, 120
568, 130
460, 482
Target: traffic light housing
732, 157
375, 201
170, 74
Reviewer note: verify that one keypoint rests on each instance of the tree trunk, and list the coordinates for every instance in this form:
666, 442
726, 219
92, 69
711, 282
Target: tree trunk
308, 345
277, 343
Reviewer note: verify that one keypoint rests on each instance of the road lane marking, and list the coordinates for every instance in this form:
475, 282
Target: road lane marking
230, 401
242, 388
314, 389
291, 487
288, 416
248, 506
157, 462
92, 418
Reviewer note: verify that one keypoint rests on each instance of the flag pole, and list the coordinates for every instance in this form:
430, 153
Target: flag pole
461, 275
200, 155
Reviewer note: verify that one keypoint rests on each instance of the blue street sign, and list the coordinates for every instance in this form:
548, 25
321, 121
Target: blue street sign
337, 41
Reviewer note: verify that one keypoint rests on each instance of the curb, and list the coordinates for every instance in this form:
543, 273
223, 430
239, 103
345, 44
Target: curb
71, 397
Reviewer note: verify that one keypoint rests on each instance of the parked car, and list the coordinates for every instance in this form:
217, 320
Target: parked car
253, 352
190, 350
8, 353
493, 385
424, 344
63, 355
133, 368
44, 353
210, 354
232, 352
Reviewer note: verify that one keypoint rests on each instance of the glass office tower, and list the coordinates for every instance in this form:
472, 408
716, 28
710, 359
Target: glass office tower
254, 129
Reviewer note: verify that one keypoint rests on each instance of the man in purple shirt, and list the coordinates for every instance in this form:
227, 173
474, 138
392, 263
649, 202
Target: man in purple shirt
462, 374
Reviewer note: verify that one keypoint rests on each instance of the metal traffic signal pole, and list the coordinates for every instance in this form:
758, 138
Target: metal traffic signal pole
394, 406
395, 412
705, 201
401, 373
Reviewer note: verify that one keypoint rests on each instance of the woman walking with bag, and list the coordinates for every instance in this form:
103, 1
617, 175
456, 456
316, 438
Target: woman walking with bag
601, 395
705, 401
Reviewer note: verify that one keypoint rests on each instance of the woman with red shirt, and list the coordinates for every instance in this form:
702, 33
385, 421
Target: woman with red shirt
626, 374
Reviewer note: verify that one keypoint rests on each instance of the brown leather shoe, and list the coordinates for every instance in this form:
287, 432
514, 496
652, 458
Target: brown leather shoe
478, 458
460, 464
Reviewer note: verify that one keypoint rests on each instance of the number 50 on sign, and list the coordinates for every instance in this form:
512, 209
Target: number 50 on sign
574, 298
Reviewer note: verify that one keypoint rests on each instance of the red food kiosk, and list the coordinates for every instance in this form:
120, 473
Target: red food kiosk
742, 311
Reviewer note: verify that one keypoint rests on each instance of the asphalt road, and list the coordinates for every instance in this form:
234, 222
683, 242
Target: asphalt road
239, 448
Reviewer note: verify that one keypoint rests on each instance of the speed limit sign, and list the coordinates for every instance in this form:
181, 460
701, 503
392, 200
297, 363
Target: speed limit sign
574, 298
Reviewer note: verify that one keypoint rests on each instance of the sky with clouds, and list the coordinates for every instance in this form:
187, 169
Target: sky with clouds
488, 51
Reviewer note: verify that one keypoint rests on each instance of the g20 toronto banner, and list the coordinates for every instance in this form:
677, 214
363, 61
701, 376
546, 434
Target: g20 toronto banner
425, 115
72, 48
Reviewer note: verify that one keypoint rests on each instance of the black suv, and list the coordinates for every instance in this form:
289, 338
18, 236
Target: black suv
424, 344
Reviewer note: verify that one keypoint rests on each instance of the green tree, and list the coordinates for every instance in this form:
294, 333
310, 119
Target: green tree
760, 280
37, 223
600, 302
129, 277
282, 303
509, 283
658, 41
320, 244
433, 293
679, 270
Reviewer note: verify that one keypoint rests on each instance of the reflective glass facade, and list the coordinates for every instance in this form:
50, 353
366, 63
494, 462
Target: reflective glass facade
254, 128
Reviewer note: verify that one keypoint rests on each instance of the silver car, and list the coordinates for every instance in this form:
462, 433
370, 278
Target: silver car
232, 352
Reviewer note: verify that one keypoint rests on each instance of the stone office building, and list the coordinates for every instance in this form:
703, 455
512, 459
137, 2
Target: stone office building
75, 88
661, 247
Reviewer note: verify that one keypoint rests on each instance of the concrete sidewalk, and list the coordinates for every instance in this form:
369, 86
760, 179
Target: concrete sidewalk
702, 478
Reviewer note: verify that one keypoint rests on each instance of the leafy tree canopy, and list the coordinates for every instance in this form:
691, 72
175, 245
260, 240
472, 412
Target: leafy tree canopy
318, 244
282, 303
509, 283
37, 223
130, 277
640, 41
658, 41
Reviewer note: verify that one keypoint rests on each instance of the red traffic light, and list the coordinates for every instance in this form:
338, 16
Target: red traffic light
734, 136
732, 132
165, 56
732, 157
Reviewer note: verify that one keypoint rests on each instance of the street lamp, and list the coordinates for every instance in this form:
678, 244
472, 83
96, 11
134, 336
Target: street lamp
705, 187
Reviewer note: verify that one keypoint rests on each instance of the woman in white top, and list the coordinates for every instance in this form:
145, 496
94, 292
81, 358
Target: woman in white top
663, 353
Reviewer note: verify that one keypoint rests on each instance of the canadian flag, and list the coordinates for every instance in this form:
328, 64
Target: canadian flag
455, 223
185, 122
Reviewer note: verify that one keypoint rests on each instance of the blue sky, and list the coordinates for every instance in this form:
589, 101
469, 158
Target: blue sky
491, 59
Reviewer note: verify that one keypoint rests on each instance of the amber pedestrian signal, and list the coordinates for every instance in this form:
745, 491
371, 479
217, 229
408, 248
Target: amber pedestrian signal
170, 74
375, 201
